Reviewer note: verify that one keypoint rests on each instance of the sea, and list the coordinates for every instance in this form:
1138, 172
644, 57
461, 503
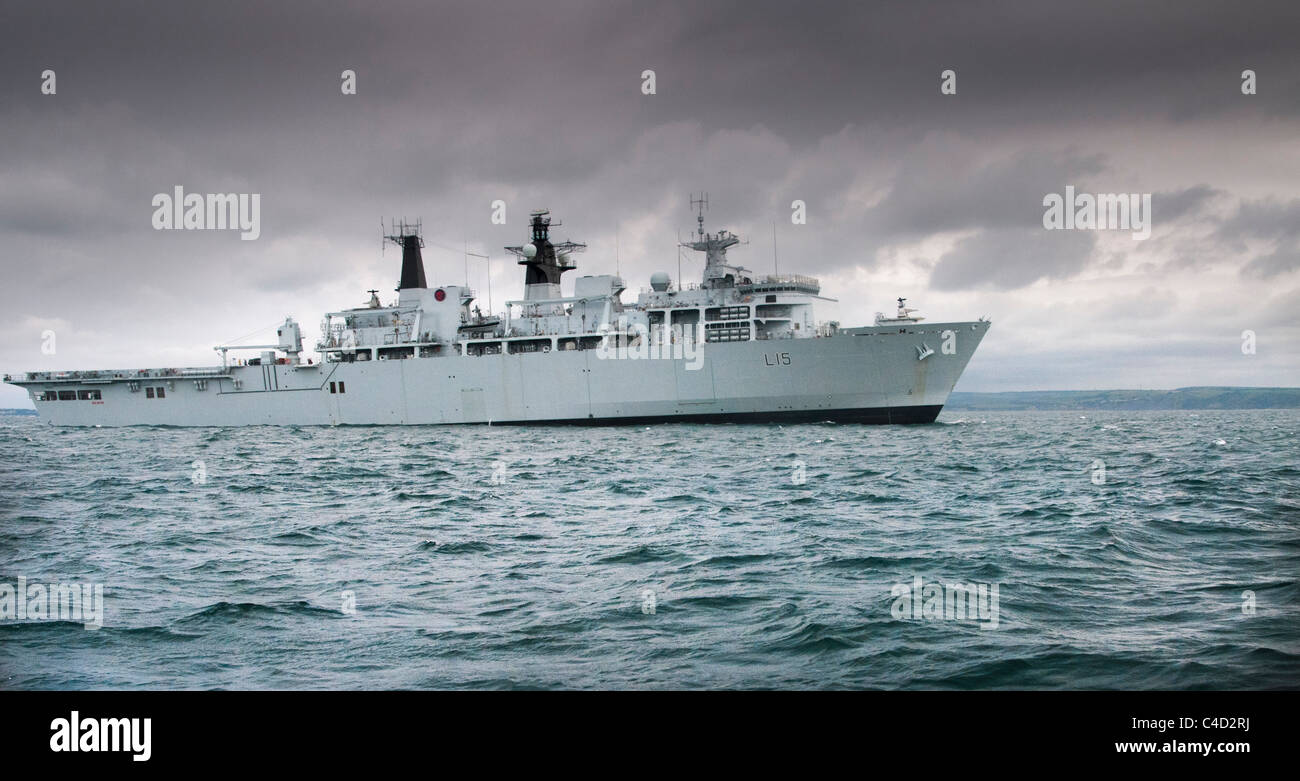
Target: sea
990, 550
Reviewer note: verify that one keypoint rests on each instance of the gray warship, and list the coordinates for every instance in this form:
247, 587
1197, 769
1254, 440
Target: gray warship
735, 347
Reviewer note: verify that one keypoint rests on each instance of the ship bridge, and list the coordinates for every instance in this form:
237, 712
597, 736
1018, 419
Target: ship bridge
785, 283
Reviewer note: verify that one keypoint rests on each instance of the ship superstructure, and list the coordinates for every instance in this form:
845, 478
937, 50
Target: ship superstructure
733, 347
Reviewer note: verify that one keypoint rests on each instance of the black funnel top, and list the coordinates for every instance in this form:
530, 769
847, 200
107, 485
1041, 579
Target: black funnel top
412, 264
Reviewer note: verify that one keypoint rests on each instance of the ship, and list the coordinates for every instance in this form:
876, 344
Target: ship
733, 348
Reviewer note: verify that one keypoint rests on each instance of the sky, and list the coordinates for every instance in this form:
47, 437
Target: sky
908, 191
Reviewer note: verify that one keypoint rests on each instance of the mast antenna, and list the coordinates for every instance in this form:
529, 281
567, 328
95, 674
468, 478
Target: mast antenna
468, 255
701, 204
776, 269
679, 258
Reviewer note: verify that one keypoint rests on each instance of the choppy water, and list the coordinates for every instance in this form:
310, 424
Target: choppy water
521, 557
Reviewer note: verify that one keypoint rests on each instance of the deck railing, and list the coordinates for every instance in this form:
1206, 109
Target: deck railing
126, 374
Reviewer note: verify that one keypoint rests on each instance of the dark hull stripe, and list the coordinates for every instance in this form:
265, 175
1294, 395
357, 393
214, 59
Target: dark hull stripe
871, 415
877, 415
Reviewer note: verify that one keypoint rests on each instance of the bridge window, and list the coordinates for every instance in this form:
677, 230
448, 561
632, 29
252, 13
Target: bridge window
394, 353
67, 395
580, 343
89, 395
483, 348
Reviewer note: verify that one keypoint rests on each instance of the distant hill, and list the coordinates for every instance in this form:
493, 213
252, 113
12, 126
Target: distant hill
1181, 398
17, 411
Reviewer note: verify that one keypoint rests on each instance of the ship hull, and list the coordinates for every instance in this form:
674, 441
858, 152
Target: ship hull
880, 374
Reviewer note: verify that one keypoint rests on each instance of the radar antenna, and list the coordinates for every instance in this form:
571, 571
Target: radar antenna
398, 230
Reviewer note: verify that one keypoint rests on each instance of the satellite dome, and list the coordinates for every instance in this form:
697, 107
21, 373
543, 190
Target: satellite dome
660, 281
530, 251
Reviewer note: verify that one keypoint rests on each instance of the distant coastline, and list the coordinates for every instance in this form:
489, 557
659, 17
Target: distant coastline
1207, 398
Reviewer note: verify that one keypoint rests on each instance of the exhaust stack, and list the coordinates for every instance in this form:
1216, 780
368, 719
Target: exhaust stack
408, 236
